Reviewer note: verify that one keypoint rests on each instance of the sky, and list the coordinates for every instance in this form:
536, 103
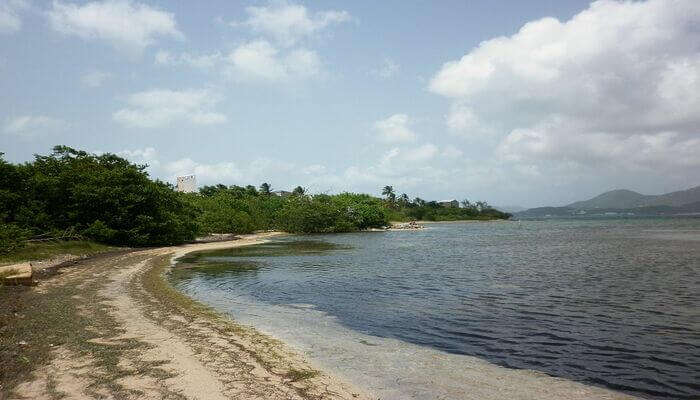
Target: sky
527, 103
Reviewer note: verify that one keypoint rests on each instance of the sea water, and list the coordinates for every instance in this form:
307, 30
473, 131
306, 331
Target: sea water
608, 302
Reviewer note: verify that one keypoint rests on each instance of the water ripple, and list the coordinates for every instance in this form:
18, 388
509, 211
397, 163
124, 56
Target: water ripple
608, 303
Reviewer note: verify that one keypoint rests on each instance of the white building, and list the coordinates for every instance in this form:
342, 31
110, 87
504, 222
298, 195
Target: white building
186, 184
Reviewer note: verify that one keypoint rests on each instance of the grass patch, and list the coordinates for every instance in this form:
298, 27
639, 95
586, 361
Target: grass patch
45, 250
70, 314
296, 375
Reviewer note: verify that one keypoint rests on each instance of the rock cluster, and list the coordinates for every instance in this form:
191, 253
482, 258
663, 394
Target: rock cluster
407, 225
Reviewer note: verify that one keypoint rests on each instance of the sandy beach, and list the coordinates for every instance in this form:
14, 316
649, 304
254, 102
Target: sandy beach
161, 344
131, 335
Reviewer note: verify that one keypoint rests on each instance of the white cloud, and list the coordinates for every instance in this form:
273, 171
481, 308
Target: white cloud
275, 54
203, 61
95, 78
259, 60
205, 173
616, 86
159, 107
127, 25
652, 151
289, 23
10, 20
387, 69
147, 156
256, 170
451, 152
419, 154
314, 169
463, 121
395, 129
31, 125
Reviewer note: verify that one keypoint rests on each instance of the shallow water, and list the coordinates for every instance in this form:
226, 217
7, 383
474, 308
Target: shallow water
612, 303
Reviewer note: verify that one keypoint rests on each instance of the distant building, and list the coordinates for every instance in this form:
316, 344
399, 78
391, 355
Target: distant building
282, 193
449, 203
186, 184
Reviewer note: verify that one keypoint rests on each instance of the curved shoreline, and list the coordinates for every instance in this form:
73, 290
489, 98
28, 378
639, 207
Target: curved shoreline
123, 332
449, 375
127, 333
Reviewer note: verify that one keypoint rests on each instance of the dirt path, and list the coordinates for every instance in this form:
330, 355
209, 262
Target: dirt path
124, 333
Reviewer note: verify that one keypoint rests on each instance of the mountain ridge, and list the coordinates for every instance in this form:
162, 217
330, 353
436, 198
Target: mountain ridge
624, 199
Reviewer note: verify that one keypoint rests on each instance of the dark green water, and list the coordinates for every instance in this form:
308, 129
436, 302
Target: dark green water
612, 303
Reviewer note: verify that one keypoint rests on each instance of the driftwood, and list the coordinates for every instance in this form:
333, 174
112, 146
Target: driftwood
68, 234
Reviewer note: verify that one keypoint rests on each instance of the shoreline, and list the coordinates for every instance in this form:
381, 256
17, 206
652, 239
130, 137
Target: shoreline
453, 376
115, 328
465, 221
161, 341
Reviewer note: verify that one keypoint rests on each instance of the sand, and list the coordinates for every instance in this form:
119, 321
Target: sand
203, 355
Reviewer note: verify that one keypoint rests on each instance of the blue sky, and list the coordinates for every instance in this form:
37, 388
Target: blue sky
517, 103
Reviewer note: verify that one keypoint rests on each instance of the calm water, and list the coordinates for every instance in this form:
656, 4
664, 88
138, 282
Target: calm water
613, 303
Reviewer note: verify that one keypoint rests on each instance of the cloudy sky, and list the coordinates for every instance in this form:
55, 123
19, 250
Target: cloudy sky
517, 103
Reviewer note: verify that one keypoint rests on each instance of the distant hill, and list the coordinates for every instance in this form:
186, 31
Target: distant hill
620, 198
624, 199
510, 209
624, 202
677, 199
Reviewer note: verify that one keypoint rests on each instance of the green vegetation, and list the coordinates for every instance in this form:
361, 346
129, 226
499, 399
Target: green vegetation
296, 375
236, 209
402, 209
73, 316
105, 198
71, 194
12, 239
45, 250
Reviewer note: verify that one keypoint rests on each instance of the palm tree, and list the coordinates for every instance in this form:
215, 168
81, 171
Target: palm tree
388, 191
265, 188
482, 205
403, 200
298, 191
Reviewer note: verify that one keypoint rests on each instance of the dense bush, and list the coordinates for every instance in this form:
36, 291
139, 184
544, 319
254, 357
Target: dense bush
241, 210
345, 212
12, 238
101, 197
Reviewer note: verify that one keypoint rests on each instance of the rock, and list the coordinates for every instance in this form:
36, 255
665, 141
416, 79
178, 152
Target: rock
16, 274
412, 225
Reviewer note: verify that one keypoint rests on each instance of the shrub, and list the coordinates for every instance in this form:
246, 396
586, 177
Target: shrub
12, 238
103, 197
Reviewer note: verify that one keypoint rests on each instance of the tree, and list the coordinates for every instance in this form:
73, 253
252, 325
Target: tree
298, 191
403, 200
419, 202
212, 190
265, 189
251, 190
388, 191
466, 203
102, 197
